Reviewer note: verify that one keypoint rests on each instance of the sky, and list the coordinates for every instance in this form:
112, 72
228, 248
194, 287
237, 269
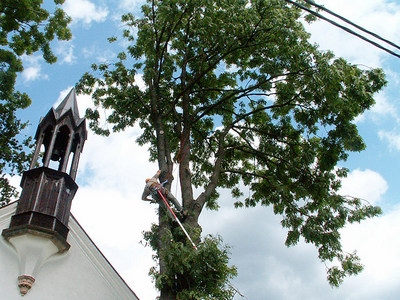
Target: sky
112, 170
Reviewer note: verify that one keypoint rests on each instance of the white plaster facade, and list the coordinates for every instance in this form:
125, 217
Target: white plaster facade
81, 273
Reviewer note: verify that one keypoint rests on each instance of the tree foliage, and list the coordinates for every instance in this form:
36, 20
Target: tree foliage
25, 28
195, 274
235, 94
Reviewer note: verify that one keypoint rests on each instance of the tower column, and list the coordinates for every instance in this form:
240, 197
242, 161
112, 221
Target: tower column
37, 150
64, 159
49, 151
75, 161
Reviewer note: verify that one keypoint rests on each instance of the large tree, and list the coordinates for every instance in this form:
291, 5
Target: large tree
237, 96
25, 28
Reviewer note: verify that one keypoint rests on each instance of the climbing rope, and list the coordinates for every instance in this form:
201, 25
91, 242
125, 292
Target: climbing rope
182, 155
176, 219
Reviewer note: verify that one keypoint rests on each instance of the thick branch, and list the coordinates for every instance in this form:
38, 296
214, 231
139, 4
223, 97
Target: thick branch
210, 188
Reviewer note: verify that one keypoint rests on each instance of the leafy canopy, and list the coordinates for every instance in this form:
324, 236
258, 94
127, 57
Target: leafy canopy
196, 274
236, 95
25, 28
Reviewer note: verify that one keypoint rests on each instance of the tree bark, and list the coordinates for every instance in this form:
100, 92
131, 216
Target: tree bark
164, 164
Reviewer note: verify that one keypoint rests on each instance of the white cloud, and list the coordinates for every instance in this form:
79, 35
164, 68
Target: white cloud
105, 56
367, 185
377, 241
392, 138
109, 206
32, 68
393, 76
14, 181
140, 82
382, 17
384, 107
85, 11
31, 73
100, 54
382, 111
65, 53
88, 52
131, 4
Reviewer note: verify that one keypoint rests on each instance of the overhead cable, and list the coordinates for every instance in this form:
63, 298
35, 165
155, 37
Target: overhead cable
351, 23
343, 28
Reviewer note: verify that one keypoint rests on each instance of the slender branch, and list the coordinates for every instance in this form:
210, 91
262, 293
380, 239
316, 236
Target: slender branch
205, 138
241, 117
246, 93
214, 179
213, 64
165, 47
261, 132
257, 175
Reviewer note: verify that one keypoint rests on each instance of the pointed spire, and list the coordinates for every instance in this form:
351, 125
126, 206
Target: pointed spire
69, 103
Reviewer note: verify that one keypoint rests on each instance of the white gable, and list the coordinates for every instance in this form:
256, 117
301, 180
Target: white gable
81, 273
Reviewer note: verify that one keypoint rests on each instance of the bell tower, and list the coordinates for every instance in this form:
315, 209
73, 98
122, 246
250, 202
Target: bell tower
39, 227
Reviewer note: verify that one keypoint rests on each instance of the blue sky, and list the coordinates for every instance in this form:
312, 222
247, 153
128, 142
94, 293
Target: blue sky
112, 170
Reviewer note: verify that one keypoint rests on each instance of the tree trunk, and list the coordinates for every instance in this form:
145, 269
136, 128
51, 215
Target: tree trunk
164, 164
166, 293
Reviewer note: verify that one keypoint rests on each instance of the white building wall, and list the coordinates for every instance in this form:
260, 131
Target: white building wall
81, 273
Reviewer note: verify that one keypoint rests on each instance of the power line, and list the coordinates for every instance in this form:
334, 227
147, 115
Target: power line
346, 28
352, 24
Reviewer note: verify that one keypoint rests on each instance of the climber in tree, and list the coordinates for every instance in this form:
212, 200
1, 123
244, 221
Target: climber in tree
151, 187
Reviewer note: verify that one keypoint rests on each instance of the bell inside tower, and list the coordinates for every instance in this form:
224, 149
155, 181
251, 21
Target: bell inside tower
60, 147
